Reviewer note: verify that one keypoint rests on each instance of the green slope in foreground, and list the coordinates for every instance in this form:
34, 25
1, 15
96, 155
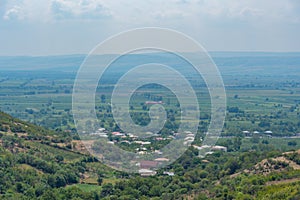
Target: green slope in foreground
36, 163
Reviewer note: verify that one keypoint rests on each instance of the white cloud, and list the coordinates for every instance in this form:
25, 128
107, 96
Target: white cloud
217, 24
86, 9
12, 13
139, 12
32, 10
50, 10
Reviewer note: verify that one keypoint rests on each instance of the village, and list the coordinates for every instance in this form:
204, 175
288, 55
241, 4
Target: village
149, 146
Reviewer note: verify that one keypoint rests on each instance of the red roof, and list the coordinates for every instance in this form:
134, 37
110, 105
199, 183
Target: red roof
146, 164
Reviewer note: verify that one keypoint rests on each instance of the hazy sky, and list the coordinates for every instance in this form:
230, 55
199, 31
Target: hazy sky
44, 27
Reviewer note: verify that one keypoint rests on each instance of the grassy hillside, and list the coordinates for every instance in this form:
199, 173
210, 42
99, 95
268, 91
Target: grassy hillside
35, 161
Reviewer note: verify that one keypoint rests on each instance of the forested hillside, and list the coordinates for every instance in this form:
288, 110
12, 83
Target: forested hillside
36, 163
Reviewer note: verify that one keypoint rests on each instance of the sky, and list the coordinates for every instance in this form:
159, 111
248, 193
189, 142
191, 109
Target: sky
60, 27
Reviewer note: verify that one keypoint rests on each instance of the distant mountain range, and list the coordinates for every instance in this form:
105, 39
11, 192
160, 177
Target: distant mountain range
229, 63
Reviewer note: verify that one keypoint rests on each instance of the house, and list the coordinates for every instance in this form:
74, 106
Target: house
148, 164
138, 142
104, 136
147, 172
171, 137
219, 148
153, 102
101, 129
125, 141
162, 159
98, 134
142, 152
213, 148
188, 142
202, 147
158, 152
146, 143
169, 173
131, 135
190, 135
189, 138
142, 142
159, 138
268, 132
246, 133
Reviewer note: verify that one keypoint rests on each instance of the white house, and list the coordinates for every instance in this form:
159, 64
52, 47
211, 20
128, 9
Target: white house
169, 173
147, 172
268, 132
219, 148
